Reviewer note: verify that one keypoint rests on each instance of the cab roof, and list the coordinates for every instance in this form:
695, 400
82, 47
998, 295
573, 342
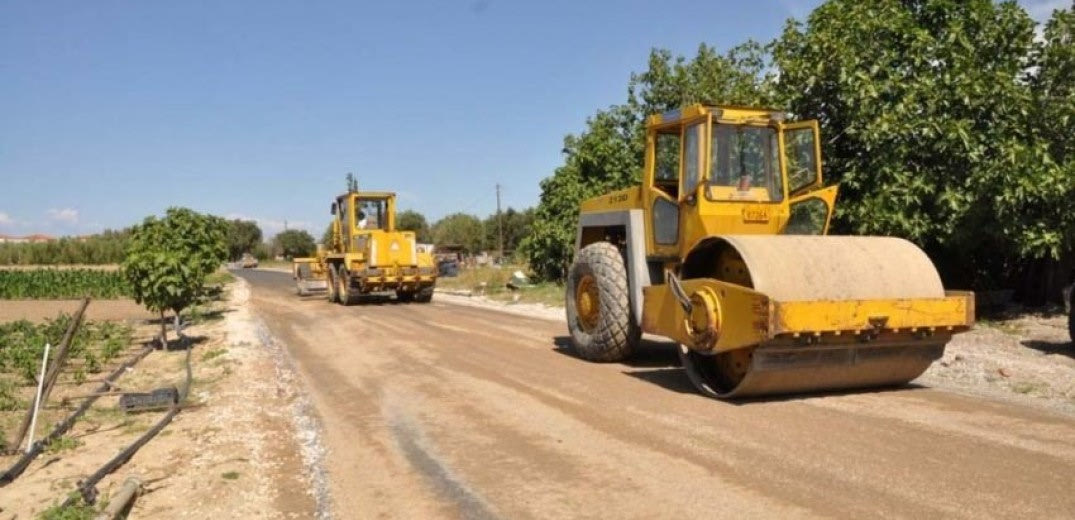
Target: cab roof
377, 195
722, 112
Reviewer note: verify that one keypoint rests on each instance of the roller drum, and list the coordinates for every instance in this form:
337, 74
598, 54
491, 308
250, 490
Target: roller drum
817, 268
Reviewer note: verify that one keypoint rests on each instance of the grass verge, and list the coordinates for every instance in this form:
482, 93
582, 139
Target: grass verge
492, 283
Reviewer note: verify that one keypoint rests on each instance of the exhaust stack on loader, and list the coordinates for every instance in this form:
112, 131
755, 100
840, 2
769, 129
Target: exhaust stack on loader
723, 249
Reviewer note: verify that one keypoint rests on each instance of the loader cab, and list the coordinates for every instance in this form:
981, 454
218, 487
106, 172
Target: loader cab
361, 213
730, 170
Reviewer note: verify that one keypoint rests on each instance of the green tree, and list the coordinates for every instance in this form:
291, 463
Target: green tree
459, 229
169, 258
243, 237
517, 225
326, 237
608, 154
106, 247
1053, 85
293, 243
411, 220
926, 114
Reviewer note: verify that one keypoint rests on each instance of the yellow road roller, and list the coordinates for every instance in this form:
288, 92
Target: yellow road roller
723, 249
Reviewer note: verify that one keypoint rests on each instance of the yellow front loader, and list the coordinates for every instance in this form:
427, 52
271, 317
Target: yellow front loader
723, 248
368, 255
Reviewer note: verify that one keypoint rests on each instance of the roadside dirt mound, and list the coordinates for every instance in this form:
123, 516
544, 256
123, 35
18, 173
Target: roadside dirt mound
1028, 358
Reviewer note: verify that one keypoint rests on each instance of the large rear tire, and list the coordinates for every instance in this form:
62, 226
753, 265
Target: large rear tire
598, 305
1071, 313
330, 274
348, 296
424, 295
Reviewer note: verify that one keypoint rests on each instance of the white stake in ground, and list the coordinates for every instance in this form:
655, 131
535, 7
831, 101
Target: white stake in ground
37, 400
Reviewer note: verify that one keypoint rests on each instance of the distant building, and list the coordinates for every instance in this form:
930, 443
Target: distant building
29, 239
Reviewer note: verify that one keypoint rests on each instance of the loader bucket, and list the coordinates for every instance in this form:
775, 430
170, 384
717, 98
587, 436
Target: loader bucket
821, 313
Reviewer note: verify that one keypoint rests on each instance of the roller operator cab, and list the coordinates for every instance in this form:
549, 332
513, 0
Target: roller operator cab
723, 248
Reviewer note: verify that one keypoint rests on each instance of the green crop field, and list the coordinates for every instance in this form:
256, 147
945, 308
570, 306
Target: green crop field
55, 284
22, 343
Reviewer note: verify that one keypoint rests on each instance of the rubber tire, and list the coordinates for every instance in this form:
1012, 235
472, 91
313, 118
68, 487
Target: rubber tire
347, 294
424, 295
616, 335
405, 296
1071, 315
331, 279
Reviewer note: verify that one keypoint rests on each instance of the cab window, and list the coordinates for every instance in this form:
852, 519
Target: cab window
371, 214
801, 158
666, 162
691, 152
746, 164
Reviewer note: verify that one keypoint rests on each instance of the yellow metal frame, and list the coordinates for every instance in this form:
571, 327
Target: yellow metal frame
744, 317
955, 310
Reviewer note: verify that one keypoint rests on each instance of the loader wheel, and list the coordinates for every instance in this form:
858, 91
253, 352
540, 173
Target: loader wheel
302, 273
333, 295
1071, 316
347, 294
405, 296
424, 295
599, 306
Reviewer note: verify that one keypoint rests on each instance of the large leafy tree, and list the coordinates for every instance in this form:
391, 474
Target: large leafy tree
294, 242
516, 226
326, 237
243, 237
459, 229
608, 154
411, 220
169, 258
926, 115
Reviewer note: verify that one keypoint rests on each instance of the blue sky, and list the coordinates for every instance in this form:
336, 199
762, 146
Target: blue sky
111, 111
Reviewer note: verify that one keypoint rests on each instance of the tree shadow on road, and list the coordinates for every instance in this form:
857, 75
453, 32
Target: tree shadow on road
182, 343
1065, 348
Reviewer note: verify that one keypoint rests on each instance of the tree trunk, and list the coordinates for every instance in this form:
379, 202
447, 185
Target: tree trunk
178, 326
164, 332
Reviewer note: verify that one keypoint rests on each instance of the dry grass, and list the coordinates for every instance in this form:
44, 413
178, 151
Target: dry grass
492, 283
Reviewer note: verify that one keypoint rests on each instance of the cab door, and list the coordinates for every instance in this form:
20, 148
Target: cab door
810, 205
811, 212
663, 197
802, 157
692, 180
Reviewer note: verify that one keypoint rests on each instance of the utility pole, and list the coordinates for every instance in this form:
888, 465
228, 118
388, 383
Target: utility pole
500, 226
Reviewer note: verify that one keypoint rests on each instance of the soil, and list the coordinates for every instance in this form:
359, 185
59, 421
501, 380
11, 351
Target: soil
232, 453
1027, 358
444, 410
40, 310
